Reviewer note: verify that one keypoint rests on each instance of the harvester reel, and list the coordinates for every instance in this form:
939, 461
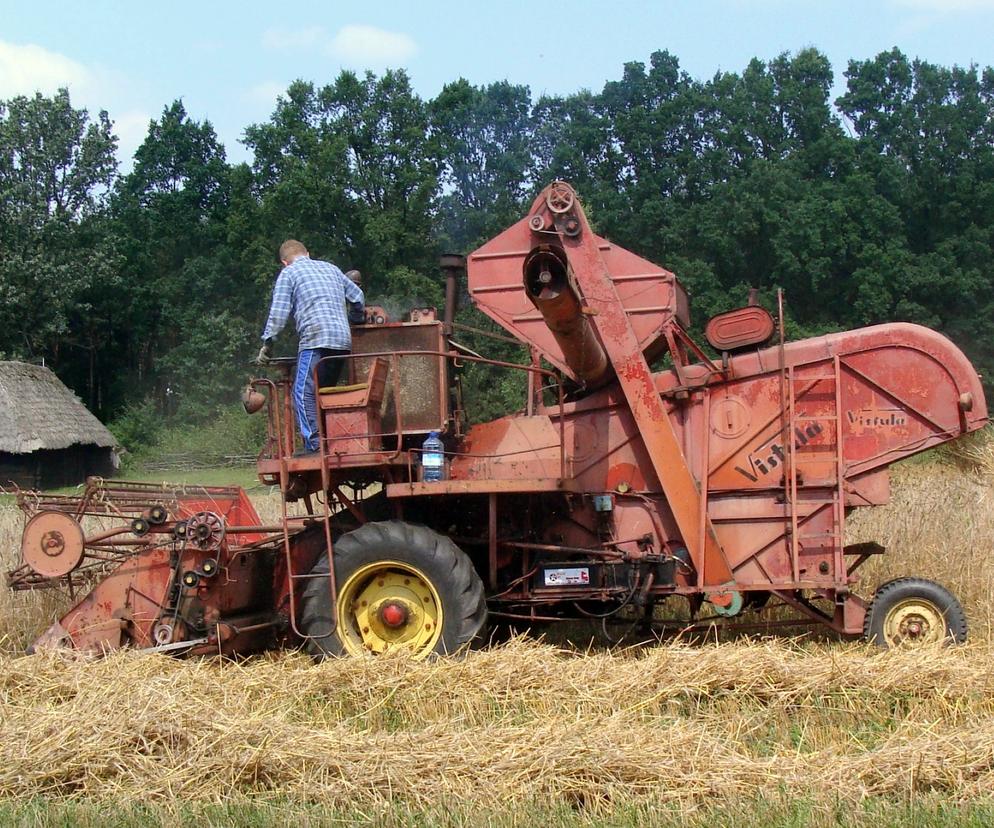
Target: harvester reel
205, 530
53, 544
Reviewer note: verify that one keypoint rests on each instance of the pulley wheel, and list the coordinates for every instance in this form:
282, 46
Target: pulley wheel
158, 515
162, 633
559, 198
52, 544
205, 530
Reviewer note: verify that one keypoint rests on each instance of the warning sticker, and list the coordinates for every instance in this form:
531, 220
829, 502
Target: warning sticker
568, 577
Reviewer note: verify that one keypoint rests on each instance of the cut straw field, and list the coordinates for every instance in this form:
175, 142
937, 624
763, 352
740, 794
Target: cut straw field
758, 732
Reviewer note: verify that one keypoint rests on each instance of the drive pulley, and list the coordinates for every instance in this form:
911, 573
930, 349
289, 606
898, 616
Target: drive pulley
53, 544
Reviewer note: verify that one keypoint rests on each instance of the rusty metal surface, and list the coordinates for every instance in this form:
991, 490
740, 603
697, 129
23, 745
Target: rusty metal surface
141, 539
740, 328
725, 481
549, 286
649, 295
52, 544
423, 380
613, 323
762, 455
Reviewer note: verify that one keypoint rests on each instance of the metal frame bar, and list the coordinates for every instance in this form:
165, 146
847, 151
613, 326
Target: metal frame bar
618, 338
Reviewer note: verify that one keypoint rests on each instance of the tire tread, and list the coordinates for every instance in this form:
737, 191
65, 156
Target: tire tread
955, 618
353, 549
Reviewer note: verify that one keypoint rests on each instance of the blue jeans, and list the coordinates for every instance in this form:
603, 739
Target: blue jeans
304, 396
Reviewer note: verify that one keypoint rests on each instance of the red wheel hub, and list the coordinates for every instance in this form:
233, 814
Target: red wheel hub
393, 615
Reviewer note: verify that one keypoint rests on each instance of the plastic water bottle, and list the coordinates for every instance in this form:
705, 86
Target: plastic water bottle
432, 459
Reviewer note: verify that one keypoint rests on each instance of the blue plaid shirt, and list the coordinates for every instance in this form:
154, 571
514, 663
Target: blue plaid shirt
315, 293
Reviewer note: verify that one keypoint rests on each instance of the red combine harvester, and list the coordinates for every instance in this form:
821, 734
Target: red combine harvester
616, 487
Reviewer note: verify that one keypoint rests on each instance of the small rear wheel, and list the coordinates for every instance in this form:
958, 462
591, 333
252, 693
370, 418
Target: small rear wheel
400, 586
914, 612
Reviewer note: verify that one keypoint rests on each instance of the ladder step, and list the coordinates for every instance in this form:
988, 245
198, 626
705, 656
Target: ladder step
309, 575
797, 379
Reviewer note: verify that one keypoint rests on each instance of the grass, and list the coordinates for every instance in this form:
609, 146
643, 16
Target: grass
244, 476
759, 812
227, 433
763, 732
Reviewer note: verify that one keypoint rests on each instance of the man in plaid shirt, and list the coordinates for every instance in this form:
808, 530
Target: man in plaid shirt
314, 293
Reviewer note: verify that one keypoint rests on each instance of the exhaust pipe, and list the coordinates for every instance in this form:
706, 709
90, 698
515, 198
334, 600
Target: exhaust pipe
453, 266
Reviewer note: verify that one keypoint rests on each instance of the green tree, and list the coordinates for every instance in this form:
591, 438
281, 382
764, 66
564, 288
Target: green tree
351, 170
484, 135
183, 334
56, 167
924, 134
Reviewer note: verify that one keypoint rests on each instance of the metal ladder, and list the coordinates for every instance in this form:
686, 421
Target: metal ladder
794, 424
294, 577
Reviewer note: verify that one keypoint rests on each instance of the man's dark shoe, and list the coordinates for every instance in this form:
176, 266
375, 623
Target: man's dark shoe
306, 452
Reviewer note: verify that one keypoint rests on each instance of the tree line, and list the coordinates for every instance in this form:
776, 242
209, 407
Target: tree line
152, 285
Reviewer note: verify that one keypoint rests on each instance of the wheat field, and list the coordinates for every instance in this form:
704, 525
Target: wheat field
755, 732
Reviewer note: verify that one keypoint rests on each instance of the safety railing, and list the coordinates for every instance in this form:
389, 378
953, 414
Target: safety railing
281, 434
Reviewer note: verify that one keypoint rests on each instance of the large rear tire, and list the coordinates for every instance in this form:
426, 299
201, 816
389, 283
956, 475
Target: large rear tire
400, 586
914, 612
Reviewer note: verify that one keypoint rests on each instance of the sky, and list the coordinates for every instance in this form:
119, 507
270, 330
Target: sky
228, 61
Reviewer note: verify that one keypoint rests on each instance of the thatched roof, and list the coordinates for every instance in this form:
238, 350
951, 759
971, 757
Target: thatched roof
38, 412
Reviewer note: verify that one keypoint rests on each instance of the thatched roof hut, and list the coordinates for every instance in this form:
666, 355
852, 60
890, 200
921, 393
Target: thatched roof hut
47, 436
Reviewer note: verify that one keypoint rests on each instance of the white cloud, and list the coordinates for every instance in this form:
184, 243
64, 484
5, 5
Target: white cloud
355, 44
369, 45
27, 68
303, 38
130, 129
946, 5
265, 92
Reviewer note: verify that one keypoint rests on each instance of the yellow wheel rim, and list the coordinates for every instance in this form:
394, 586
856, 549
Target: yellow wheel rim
914, 622
388, 605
